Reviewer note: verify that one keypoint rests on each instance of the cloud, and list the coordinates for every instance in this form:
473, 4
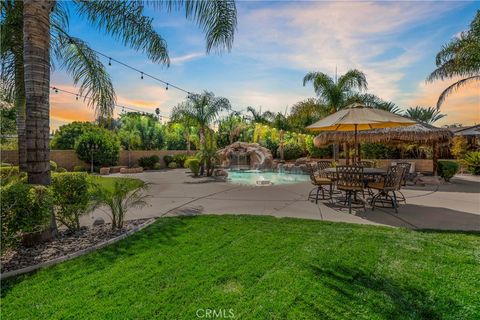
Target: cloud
324, 35
186, 57
462, 106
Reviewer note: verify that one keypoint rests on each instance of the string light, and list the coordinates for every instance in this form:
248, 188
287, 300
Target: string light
76, 98
109, 61
166, 88
141, 76
116, 105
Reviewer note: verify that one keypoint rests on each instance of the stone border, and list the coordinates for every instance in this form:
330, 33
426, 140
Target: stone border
76, 254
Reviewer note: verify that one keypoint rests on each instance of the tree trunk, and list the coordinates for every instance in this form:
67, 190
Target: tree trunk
36, 54
19, 102
435, 159
203, 147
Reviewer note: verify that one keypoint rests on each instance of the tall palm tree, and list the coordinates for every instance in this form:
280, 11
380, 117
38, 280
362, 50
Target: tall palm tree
336, 94
427, 115
121, 19
459, 58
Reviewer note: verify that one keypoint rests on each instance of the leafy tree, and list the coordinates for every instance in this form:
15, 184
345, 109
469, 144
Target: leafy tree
231, 129
107, 147
459, 146
306, 112
140, 131
427, 115
66, 135
459, 58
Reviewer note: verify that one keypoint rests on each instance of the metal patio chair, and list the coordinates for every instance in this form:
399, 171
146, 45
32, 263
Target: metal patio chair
350, 179
386, 189
320, 181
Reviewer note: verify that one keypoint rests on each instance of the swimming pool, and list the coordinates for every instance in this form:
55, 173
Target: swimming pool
250, 177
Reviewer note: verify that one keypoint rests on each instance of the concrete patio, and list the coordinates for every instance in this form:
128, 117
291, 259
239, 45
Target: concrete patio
453, 206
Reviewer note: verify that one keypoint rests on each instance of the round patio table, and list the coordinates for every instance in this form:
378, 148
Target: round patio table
366, 171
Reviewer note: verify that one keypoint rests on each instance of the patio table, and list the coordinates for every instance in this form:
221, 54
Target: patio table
366, 171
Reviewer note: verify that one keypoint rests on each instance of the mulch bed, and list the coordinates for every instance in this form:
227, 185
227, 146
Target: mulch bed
66, 243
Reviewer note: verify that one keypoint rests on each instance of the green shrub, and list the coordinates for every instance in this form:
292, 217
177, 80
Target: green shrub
61, 170
80, 169
378, 151
108, 147
194, 165
180, 159
315, 152
172, 165
10, 174
67, 135
71, 197
5, 164
148, 162
167, 159
24, 208
292, 151
53, 165
157, 166
447, 169
472, 160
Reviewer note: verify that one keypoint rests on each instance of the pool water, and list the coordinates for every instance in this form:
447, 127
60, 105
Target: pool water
250, 177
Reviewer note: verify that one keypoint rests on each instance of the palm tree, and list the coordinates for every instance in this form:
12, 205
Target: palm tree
259, 116
306, 112
459, 58
336, 94
426, 115
201, 110
123, 20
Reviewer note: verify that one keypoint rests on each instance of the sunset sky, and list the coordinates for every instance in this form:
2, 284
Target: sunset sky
276, 43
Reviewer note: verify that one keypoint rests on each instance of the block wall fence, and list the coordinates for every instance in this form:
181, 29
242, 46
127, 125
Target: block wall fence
68, 158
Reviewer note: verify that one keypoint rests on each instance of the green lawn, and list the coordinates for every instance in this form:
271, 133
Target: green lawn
261, 268
108, 182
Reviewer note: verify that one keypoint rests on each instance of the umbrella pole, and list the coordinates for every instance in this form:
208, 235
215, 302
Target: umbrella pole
356, 145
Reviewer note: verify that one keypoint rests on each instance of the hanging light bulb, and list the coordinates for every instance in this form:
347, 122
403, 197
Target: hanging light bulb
76, 98
141, 77
166, 88
109, 61
56, 90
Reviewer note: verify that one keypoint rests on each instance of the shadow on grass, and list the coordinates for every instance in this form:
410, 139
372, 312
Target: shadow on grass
162, 232
385, 297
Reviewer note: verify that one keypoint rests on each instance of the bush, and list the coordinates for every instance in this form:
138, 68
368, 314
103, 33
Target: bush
10, 174
61, 170
315, 152
108, 147
378, 151
71, 197
80, 169
172, 165
472, 160
447, 169
292, 151
24, 208
67, 135
194, 165
167, 159
180, 159
53, 165
148, 162
119, 199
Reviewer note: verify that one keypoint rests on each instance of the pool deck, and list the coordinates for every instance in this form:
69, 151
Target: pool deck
452, 206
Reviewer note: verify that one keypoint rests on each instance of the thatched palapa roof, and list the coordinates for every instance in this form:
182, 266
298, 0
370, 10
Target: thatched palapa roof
420, 133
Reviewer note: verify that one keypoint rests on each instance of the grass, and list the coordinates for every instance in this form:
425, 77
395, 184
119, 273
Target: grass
109, 182
260, 268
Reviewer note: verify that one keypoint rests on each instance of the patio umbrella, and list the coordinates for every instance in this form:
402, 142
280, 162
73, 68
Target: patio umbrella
358, 117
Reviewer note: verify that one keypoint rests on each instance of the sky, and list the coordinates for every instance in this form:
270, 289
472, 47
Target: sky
276, 44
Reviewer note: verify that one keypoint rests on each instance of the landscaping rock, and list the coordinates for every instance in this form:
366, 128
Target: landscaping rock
116, 169
98, 222
250, 155
131, 170
105, 171
301, 161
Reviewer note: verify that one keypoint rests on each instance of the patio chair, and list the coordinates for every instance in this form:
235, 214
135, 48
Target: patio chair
406, 174
323, 164
386, 188
320, 181
350, 180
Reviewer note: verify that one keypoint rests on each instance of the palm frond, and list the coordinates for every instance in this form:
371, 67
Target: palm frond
125, 21
218, 19
454, 87
86, 69
426, 115
353, 80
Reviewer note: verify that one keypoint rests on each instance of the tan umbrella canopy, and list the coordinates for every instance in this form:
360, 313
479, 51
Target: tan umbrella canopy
358, 117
